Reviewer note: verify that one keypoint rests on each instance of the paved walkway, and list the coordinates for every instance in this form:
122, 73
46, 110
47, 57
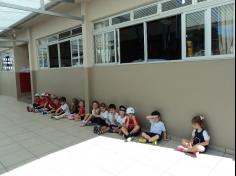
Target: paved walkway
32, 145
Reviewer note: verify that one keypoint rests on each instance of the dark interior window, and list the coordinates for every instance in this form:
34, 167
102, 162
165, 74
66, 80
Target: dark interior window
164, 39
53, 56
132, 44
65, 53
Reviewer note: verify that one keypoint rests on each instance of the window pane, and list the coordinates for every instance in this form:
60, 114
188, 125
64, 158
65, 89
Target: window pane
164, 39
223, 30
53, 56
101, 25
105, 48
65, 53
195, 38
173, 4
121, 19
81, 51
132, 44
147, 11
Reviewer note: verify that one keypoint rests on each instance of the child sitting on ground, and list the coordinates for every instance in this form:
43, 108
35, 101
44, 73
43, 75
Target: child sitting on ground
200, 138
81, 113
120, 119
74, 109
35, 104
63, 111
157, 130
53, 105
131, 127
111, 124
91, 118
101, 119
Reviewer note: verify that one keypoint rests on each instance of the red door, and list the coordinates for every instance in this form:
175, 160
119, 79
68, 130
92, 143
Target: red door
25, 85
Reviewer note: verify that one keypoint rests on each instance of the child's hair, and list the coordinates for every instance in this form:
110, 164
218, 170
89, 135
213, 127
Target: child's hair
75, 101
112, 106
95, 102
63, 99
122, 108
82, 102
103, 105
156, 113
199, 120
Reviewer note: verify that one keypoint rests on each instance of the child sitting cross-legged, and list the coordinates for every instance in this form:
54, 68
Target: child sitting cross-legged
200, 138
63, 111
91, 118
157, 130
131, 127
112, 124
101, 120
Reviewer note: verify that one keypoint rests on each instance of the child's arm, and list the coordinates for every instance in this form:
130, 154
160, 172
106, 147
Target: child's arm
150, 117
204, 143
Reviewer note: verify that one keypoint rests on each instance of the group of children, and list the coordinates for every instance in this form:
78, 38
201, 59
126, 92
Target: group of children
122, 121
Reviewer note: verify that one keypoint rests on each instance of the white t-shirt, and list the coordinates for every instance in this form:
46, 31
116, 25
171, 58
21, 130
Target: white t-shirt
157, 127
111, 120
65, 109
120, 120
204, 133
104, 115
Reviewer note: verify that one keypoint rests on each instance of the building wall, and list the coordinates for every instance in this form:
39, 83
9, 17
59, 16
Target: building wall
62, 82
8, 84
178, 90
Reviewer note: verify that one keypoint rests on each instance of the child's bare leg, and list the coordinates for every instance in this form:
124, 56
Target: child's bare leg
86, 117
186, 142
124, 131
154, 138
135, 130
89, 118
196, 148
77, 117
144, 135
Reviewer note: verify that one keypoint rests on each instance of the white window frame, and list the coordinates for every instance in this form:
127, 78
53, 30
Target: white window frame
195, 6
4, 54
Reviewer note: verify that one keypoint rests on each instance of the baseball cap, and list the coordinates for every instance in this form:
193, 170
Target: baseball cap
36, 95
130, 110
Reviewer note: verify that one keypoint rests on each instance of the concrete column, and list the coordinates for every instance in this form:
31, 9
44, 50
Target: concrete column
31, 57
88, 52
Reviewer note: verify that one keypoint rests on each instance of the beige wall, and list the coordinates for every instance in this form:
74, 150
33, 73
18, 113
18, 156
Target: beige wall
178, 90
8, 84
62, 82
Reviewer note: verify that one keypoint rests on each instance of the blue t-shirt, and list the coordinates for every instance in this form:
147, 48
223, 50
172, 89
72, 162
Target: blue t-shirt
157, 127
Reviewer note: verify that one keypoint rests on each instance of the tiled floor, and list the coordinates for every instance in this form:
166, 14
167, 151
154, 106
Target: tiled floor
31, 145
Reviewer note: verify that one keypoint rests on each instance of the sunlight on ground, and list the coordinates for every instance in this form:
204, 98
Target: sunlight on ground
112, 157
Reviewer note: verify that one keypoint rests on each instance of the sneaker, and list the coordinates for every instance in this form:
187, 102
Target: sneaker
95, 129
155, 142
83, 123
181, 148
28, 109
142, 140
129, 139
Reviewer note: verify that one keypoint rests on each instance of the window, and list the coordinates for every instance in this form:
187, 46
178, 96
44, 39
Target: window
223, 30
147, 11
43, 53
101, 24
174, 30
132, 44
77, 51
164, 39
65, 53
53, 56
105, 47
173, 4
121, 19
195, 34
6, 61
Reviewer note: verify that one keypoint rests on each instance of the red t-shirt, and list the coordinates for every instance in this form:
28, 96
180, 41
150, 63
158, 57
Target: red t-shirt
81, 110
55, 105
42, 102
37, 101
131, 123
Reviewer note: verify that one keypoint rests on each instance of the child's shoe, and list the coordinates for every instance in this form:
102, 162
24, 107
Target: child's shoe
155, 142
142, 140
181, 148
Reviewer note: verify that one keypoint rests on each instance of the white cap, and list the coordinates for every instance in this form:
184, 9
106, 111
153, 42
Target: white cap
37, 95
130, 110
